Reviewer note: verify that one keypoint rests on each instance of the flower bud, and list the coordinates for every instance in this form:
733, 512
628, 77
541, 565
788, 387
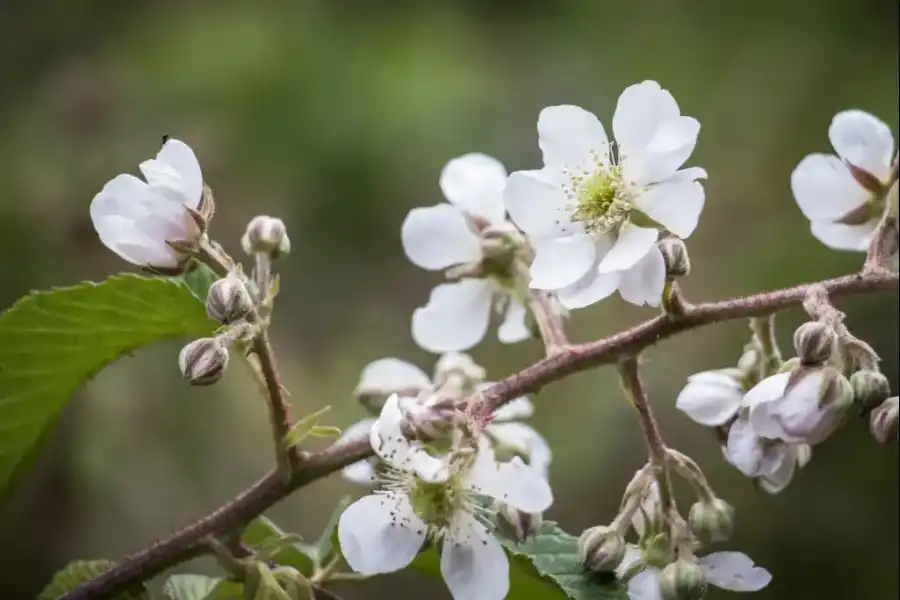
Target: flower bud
460, 366
601, 548
682, 580
266, 235
870, 388
675, 255
883, 421
228, 300
203, 361
712, 521
518, 525
814, 342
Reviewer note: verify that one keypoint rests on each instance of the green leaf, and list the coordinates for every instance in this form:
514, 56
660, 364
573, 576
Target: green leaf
200, 587
80, 571
198, 280
546, 567
305, 427
325, 546
262, 532
53, 341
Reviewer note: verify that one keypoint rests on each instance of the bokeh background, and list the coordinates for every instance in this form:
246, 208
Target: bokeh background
338, 116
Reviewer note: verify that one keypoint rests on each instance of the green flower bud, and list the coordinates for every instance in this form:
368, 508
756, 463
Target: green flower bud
712, 521
602, 549
682, 580
870, 389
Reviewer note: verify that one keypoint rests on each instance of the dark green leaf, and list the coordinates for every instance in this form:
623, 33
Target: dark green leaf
262, 531
51, 342
80, 571
198, 280
202, 587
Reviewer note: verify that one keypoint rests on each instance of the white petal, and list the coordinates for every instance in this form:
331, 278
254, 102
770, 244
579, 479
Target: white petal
824, 188
686, 175
743, 448
632, 555
672, 144
513, 329
644, 282
526, 441
710, 400
770, 388
437, 237
645, 585
676, 206
778, 466
180, 157
389, 442
360, 429
863, 141
844, 237
455, 318
572, 137
632, 245
380, 533
561, 262
592, 288
734, 571
473, 562
474, 182
515, 409
537, 204
362, 473
513, 482
641, 109
393, 375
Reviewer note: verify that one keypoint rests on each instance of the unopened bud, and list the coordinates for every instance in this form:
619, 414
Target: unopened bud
814, 342
601, 548
203, 361
430, 415
870, 388
516, 524
228, 300
457, 365
682, 580
675, 255
712, 521
266, 235
883, 421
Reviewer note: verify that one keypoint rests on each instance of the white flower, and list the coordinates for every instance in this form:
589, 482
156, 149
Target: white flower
505, 430
712, 398
594, 218
440, 499
802, 407
387, 376
135, 219
452, 235
731, 571
771, 462
843, 213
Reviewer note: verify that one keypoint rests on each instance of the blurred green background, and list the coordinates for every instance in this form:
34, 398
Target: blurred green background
338, 116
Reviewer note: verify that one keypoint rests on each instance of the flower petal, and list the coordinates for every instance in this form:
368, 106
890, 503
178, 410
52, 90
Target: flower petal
743, 448
844, 237
710, 398
863, 141
770, 388
632, 245
180, 157
824, 188
455, 318
734, 571
592, 288
390, 375
473, 562
389, 442
361, 472
526, 441
537, 204
778, 466
561, 262
513, 329
572, 137
380, 533
645, 585
640, 110
672, 144
644, 282
686, 175
676, 206
437, 237
474, 182
513, 482
514, 410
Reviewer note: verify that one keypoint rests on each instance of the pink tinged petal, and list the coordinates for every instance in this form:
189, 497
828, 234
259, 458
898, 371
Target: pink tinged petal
633, 244
743, 448
513, 328
710, 398
362, 473
645, 585
641, 109
514, 410
824, 188
572, 137
672, 144
393, 375
526, 441
644, 282
862, 140
676, 206
734, 571
123, 196
474, 182
437, 237
837, 236
180, 157
473, 562
380, 533
455, 318
513, 482
778, 467
770, 388
561, 262
538, 205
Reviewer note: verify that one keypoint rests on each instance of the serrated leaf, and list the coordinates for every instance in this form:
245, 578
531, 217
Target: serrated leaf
198, 280
53, 341
190, 587
80, 571
262, 531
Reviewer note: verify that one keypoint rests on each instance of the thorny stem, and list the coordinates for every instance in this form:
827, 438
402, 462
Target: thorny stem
188, 543
549, 322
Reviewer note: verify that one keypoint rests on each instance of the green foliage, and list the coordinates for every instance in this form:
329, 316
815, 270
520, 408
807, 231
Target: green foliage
80, 571
546, 566
53, 341
201, 587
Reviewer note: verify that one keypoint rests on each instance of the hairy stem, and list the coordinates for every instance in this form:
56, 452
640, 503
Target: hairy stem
549, 322
279, 411
189, 542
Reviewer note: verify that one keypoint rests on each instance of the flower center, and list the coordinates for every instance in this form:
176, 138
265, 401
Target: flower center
435, 503
603, 199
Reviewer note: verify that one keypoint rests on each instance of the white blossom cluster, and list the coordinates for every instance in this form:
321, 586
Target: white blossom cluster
601, 215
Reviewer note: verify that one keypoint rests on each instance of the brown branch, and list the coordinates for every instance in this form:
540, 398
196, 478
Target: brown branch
279, 411
188, 542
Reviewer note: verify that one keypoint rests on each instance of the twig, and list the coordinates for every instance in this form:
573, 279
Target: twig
188, 542
549, 322
279, 412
